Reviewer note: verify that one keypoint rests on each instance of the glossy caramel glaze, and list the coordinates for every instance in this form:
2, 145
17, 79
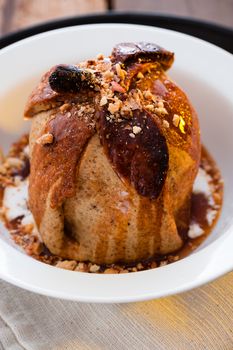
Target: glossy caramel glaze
54, 165
143, 52
200, 205
143, 160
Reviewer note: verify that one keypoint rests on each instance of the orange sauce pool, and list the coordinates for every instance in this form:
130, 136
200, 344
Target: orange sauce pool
204, 213
200, 205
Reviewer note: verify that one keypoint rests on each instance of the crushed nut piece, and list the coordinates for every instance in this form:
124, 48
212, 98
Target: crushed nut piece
120, 71
45, 139
176, 120
136, 129
176, 258
108, 75
67, 264
103, 101
132, 135
140, 75
14, 162
148, 95
150, 107
166, 123
94, 268
161, 110
139, 266
160, 104
81, 267
114, 107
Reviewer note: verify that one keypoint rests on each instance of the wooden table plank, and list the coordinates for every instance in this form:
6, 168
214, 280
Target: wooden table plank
211, 10
2, 2
16, 14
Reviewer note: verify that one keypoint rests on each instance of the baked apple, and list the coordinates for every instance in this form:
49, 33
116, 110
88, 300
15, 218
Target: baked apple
114, 151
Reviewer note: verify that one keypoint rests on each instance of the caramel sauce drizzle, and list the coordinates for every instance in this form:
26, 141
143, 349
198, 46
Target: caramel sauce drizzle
143, 159
54, 165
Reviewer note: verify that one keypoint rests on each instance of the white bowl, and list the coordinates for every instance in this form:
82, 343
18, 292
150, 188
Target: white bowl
205, 72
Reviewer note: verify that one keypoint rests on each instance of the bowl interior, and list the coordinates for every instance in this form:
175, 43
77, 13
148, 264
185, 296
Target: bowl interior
201, 69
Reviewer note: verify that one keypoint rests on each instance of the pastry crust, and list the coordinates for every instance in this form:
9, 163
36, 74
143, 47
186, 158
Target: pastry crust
114, 182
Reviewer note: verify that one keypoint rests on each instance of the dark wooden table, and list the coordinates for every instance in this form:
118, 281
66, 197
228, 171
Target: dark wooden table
15, 14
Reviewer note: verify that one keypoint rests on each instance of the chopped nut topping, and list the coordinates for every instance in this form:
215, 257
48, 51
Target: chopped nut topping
108, 75
161, 110
81, 267
150, 107
139, 266
67, 264
45, 139
176, 120
132, 135
14, 162
166, 123
114, 107
120, 71
94, 268
136, 129
176, 258
160, 104
103, 101
148, 95
140, 75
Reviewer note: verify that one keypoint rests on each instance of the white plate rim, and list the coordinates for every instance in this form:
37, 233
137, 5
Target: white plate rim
111, 282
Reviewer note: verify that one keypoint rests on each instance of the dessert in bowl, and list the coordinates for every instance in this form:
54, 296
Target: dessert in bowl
114, 150
195, 62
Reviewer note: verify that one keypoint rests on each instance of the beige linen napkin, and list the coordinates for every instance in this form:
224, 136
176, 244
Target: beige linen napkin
199, 319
